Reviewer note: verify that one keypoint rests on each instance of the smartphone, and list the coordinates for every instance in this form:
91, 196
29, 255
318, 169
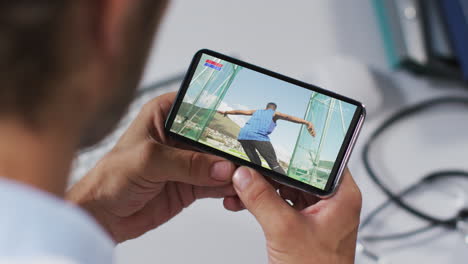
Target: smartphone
296, 133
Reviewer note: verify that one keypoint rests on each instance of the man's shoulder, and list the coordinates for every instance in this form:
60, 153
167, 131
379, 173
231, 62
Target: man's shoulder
43, 225
42, 260
279, 114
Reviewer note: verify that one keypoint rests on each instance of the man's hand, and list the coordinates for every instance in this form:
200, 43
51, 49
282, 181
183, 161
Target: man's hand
147, 179
224, 113
311, 129
309, 231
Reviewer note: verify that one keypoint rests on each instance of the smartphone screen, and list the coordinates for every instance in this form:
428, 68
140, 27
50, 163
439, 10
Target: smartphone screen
297, 133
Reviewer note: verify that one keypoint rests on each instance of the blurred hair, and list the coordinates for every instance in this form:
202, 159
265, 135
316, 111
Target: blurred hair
30, 32
271, 105
38, 52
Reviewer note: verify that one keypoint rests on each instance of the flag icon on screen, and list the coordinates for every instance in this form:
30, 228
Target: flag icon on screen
213, 65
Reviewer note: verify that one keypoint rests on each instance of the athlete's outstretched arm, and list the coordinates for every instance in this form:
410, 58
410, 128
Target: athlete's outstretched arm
297, 120
237, 112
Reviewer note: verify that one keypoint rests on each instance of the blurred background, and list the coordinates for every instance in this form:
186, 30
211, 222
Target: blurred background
387, 53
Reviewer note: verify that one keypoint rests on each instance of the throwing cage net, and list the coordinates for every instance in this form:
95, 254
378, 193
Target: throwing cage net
313, 157
206, 91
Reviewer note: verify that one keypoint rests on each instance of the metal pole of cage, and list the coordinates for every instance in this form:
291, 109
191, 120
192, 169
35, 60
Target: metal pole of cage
227, 83
307, 116
324, 135
189, 111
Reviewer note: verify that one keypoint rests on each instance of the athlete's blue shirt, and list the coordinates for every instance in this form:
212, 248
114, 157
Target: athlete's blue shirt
259, 126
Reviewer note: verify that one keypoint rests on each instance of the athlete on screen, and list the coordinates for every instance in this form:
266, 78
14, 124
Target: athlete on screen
254, 136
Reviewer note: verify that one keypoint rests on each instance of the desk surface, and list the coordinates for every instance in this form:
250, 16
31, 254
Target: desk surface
288, 39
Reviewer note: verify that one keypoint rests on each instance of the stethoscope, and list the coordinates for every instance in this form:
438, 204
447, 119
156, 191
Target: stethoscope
458, 222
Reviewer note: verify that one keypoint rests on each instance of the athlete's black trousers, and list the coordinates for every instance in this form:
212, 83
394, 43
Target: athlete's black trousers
266, 150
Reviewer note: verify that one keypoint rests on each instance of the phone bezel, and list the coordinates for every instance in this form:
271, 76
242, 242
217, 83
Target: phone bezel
343, 155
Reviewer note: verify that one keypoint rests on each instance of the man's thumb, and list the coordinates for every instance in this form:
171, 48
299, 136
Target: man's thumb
261, 199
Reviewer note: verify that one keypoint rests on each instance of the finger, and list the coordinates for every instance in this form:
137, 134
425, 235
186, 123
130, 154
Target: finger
300, 199
342, 207
150, 121
261, 199
305, 200
165, 163
233, 203
164, 102
159, 109
276, 185
289, 194
201, 192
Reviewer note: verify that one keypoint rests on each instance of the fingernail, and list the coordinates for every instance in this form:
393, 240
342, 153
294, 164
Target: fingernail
221, 171
242, 178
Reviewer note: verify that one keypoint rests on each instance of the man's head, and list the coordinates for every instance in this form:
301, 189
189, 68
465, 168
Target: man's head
73, 63
271, 106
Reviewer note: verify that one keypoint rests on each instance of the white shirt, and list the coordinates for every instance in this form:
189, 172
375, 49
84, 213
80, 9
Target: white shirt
36, 227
